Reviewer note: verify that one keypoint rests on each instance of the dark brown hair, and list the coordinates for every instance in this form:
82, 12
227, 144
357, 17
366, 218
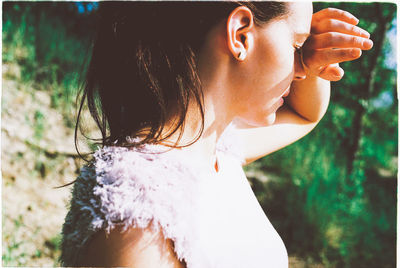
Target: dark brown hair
143, 68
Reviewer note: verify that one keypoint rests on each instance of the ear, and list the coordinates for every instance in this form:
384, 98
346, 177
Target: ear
239, 32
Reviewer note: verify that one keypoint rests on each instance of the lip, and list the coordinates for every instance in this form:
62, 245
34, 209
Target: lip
281, 101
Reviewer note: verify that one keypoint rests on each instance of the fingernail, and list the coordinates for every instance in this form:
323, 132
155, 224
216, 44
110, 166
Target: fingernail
365, 33
367, 43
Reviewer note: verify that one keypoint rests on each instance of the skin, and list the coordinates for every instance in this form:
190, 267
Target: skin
251, 89
132, 248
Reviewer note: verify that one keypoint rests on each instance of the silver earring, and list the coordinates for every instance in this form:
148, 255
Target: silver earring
242, 55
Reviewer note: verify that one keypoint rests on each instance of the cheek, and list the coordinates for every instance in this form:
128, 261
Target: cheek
280, 63
274, 69
273, 76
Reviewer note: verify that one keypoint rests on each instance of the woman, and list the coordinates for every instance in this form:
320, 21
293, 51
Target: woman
188, 93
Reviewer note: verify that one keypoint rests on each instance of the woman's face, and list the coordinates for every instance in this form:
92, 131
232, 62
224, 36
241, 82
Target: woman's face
272, 65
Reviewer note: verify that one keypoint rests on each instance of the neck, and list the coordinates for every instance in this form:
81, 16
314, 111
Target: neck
215, 122
214, 73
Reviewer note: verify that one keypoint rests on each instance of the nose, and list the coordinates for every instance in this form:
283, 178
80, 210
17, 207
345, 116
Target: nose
299, 72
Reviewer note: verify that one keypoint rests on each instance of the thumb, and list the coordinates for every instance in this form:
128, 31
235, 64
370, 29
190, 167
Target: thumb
332, 72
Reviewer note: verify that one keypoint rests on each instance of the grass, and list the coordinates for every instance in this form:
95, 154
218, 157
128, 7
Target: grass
39, 125
50, 60
48, 54
12, 255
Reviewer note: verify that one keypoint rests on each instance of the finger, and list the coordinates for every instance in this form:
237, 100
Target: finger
334, 13
337, 40
332, 73
333, 25
316, 58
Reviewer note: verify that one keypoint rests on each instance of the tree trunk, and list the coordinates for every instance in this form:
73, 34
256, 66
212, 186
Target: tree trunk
378, 37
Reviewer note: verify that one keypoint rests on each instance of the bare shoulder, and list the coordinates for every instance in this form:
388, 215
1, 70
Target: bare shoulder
135, 247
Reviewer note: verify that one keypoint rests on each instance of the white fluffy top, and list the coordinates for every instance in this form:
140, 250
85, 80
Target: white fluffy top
131, 187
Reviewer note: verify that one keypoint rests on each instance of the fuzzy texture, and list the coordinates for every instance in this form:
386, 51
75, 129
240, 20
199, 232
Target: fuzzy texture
131, 187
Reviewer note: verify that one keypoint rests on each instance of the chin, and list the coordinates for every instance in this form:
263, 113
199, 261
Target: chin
263, 121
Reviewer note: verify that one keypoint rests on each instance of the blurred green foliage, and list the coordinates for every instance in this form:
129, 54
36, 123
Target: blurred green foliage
50, 42
335, 199
333, 193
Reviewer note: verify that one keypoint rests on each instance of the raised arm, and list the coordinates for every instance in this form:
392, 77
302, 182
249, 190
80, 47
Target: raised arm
334, 38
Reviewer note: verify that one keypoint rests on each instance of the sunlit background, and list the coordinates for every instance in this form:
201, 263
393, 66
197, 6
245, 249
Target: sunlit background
331, 196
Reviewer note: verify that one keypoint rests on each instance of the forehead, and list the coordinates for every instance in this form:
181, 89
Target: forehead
299, 16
